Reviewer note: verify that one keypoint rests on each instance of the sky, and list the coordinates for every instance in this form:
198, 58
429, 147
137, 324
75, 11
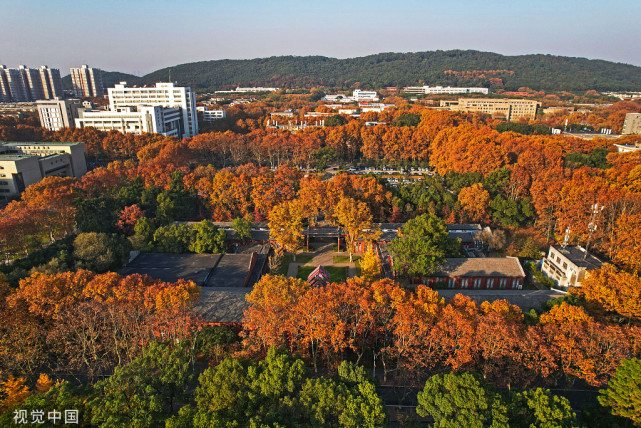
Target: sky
140, 36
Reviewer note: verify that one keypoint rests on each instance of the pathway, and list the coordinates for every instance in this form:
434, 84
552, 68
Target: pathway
323, 256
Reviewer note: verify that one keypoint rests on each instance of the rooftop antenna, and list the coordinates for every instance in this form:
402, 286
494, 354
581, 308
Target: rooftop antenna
596, 210
169, 74
567, 237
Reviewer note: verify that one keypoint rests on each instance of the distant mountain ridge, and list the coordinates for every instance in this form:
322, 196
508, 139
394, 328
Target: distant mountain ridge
454, 67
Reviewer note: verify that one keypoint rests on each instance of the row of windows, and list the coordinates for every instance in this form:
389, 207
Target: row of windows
489, 283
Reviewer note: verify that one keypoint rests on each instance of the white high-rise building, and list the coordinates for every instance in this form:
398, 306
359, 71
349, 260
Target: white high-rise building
87, 82
133, 120
163, 94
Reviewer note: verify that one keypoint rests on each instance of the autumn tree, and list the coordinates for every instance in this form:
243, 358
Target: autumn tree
94, 322
475, 202
614, 291
286, 225
128, 218
370, 265
356, 220
626, 242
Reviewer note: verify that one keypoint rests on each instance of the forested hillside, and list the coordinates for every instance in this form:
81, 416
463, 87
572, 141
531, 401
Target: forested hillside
456, 67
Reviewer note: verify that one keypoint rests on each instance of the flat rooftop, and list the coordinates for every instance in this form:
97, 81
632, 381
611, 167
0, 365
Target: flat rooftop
171, 267
14, 157
578, 256
222, 304
225, 279
481, 267
40, 143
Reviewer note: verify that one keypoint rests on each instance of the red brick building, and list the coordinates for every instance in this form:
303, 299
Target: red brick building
480, 273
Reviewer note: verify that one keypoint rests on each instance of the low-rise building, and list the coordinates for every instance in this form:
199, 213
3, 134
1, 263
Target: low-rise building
212, 115
506, 109
438, 90
627, 148
58, 114
23, 164
134, 120
480, 273
567, 266
360, 95
375, 107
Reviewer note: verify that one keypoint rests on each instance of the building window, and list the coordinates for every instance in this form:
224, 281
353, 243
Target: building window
477, 283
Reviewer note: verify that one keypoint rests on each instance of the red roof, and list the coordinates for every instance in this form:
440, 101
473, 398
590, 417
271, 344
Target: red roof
318, 277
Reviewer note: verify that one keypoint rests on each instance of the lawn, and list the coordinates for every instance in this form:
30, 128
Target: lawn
289, 258
336, 273
345, 259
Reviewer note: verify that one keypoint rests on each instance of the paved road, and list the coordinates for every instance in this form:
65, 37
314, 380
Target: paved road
525, 299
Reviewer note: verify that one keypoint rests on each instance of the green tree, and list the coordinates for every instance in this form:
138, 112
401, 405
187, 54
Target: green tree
422, 246
144, 392
336, 120
623, 394
207, 238
243, 227
510, 212
175, 238
461, 400
145, 228
176, 204
100, 252
58, 398
278, 391
408, 119
95, 214
540, 408
132, 193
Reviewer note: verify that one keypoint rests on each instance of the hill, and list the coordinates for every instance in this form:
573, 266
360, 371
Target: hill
109, 79
455, 67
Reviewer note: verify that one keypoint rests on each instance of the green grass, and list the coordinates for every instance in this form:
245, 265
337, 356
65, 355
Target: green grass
289, 258
345, 259
336, 273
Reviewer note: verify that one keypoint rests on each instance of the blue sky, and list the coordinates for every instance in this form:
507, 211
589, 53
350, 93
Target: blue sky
139, 36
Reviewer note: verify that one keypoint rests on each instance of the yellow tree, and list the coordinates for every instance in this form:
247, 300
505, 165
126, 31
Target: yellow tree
370, 265
625, 243
614, 291
475, 201
286, 225
356, 220
14, 392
